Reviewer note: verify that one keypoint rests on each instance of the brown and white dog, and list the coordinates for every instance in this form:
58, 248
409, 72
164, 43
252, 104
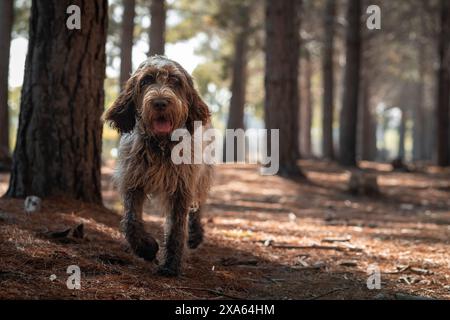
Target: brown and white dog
159, 98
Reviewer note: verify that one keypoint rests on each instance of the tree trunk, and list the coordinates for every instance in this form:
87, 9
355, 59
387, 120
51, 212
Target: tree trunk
58, 150
328, 80
306, 106
384, 124
281, 79
157, 27
419, 120
126, 47
442, 112
430, 137
239, 80
368, 145
349, 112
239, 77
6, 22
401, 137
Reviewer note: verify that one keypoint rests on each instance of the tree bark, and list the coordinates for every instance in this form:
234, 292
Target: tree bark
6, 22
126, 48
349, 112
157, 27
401, 136
281, 80
328, 80
58, 149
443, 99
369, 143
383, 156
419, 120
306, 107
239, 77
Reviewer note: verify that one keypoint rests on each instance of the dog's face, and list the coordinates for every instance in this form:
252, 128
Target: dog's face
161, 96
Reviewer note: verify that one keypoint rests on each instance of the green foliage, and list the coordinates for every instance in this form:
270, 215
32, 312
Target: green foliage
194, 17
110, 136
216, 24
14, 108
21, 18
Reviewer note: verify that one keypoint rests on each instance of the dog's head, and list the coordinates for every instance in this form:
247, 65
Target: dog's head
161, 96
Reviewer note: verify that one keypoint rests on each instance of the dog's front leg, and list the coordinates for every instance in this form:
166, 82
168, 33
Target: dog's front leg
142, 244
195, 227
176, 230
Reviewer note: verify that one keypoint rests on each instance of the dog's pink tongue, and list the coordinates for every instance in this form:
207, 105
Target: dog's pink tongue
162, 126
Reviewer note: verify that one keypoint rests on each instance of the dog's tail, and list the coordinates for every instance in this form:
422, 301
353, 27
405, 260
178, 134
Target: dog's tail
142, 243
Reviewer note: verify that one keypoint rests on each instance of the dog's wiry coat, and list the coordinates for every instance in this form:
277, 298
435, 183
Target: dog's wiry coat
144, 163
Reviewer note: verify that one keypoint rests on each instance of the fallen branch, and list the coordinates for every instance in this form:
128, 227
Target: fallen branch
276, 281
327, 293
309, 268
212, 291
315, 247
348, 263
421, 271
403, 269
331, 240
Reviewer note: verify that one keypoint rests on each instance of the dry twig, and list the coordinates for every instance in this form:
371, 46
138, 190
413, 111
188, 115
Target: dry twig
327, 293
315, 247
212, 291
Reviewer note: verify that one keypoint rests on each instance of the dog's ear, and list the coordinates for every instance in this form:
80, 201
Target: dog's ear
122, 114
198, 111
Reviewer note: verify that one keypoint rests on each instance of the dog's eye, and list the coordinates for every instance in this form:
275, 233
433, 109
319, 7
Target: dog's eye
147, 80
174, 80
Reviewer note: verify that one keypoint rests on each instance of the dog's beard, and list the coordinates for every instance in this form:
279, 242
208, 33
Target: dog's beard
161, 123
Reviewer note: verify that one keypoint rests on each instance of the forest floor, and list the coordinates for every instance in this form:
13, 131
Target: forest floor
266, 238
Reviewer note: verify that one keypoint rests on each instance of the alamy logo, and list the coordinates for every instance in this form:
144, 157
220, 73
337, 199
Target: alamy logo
374, 279
207, 146
374, 20
74, 20
74, 280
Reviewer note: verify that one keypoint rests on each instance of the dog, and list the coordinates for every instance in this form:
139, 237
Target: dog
157, 99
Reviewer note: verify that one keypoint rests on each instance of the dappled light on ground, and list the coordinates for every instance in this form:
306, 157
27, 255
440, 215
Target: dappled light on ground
266, 237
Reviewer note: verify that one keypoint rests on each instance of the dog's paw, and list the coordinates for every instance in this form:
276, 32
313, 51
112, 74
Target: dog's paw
168, 271
194, 207
195, 237
147, 249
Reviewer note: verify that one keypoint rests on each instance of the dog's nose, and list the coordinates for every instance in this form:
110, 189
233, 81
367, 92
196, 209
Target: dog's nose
160, 104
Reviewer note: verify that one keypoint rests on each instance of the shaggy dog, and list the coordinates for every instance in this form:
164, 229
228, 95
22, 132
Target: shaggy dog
159, 98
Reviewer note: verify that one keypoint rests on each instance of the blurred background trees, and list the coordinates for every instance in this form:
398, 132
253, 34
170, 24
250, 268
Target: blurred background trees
443, 99
127, 41
240, 14
157, 27
281, 79
329, 18
352, 83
